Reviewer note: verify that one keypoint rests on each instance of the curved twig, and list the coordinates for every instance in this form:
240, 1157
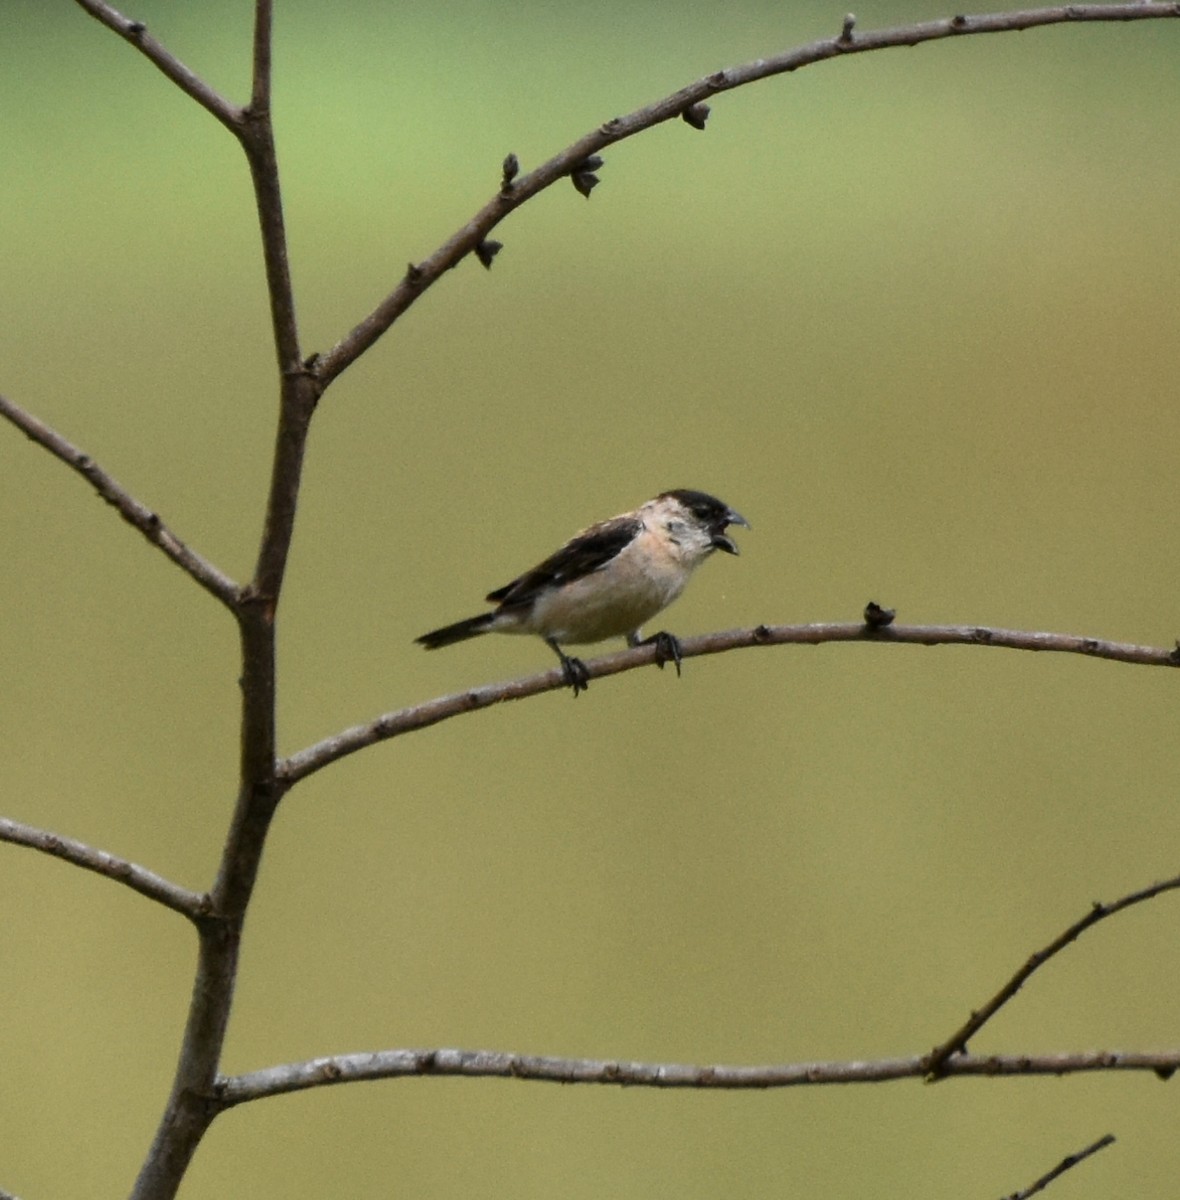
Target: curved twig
398, 1064
213, 580
940, 1057
418, 716
688, 103
139, 879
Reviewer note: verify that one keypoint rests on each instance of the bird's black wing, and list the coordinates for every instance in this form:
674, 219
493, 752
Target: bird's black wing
590, 551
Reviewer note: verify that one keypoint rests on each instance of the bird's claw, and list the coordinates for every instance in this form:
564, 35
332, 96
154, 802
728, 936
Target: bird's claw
667, 649
575, 674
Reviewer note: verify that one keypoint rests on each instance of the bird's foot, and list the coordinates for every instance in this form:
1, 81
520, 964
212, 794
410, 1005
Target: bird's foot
575, 674
667, 648
573, 670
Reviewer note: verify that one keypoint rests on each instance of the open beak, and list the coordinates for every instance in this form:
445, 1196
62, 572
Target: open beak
721, 539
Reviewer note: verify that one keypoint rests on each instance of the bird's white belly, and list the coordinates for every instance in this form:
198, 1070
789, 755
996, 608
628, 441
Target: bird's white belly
604, 605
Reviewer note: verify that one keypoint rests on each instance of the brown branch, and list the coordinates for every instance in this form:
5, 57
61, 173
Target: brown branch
260, 88
192, 85
515, 192
398, 1064
139, 879
214, 581
941, 1056
1066, 1164
431, 712
256, 133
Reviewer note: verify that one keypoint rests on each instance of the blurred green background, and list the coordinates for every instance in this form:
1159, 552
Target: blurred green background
913, 313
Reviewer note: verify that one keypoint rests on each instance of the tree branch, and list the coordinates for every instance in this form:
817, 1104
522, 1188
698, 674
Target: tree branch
1066, 1164
398, 1064
260, 89
256, 133
192, 85
939, 1058
393, 724
214, 581
687, 102
139, 879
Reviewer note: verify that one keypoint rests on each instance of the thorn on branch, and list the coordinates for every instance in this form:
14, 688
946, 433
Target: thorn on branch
511, 168
486, 251
583, 177
696, 115
877, 617
413, 273
847, 29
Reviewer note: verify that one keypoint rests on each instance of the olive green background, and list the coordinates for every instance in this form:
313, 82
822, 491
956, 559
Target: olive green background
913, 313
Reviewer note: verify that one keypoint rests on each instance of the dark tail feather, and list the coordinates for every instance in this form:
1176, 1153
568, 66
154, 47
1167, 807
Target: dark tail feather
459, 632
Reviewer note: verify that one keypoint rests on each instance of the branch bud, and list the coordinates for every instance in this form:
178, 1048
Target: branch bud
487, 250
696, 115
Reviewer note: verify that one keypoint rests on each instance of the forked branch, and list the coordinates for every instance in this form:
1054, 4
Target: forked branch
394, 1064
199, 1092
940, 1058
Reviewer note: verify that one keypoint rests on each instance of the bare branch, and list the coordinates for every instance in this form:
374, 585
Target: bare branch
140, 880
848, 41
397, 1064
431, 712
214, 581
1064, 1165
187, 1114
256, 133
942, 1055
260, 92
136, 33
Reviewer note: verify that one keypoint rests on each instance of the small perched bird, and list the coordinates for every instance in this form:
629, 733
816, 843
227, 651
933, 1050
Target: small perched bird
607, 581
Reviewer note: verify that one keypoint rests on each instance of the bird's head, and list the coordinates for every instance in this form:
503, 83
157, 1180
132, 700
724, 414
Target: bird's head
699, 516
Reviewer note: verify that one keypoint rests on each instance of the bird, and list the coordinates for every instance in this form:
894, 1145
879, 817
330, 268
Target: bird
607, 581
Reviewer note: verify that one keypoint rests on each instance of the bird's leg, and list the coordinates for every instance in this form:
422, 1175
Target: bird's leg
667, 647
573, 670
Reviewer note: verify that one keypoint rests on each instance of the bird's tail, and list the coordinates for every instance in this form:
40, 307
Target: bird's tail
448, 635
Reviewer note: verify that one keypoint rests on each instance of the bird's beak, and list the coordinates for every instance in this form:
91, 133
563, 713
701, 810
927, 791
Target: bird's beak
721, 539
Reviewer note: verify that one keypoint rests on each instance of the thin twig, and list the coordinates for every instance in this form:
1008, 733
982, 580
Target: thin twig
465, 240
398, 1064
942, 1055
1064, 1165
214, 581
136, 33
138, 878
431, 712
